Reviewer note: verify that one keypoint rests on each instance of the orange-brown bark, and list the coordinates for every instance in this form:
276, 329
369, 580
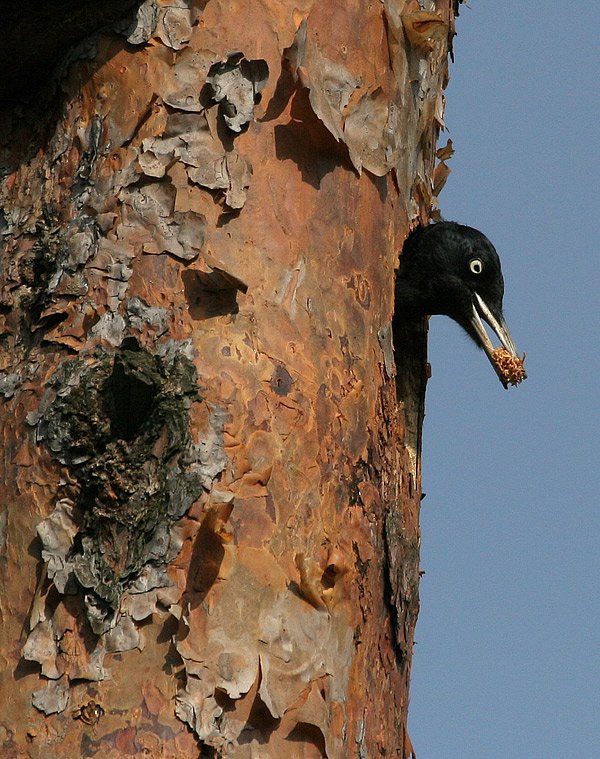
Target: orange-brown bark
202, 416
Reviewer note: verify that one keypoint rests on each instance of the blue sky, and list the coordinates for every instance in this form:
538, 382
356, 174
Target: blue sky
507, 660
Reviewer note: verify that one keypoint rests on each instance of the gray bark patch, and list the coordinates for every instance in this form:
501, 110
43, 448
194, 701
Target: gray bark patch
236, 84
120, 425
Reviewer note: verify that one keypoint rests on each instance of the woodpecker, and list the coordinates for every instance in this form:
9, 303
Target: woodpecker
451, 269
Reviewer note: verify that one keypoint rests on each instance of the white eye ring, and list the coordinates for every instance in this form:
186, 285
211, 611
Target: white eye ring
476, 265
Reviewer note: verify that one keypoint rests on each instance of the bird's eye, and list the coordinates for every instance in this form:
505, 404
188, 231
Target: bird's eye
476, 265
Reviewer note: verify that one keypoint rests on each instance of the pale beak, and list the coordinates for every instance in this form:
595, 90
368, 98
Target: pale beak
498, 325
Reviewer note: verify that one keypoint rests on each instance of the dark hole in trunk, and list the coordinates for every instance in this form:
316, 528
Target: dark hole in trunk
130, 397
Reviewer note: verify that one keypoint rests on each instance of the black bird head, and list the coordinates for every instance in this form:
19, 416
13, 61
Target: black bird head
447, 268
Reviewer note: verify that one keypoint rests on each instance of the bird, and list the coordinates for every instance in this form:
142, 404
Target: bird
454, 270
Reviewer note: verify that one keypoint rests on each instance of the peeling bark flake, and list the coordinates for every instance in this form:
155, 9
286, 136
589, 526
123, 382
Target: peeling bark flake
236, 84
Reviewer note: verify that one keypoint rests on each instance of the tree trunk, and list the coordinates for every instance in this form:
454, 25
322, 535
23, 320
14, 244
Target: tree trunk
210, 541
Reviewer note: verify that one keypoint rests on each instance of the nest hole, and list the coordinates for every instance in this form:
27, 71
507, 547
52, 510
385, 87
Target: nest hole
130, 396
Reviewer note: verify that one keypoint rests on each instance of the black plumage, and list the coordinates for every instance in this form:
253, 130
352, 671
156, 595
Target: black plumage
447, 268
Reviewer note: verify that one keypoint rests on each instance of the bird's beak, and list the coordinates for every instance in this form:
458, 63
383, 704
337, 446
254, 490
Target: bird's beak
498, 325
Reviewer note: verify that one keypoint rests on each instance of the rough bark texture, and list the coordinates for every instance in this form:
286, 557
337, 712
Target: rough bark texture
210, 540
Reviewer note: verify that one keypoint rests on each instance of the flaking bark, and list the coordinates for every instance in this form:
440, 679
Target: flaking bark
210, 538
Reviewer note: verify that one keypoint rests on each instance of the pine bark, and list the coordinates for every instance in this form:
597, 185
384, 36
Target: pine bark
211, 426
